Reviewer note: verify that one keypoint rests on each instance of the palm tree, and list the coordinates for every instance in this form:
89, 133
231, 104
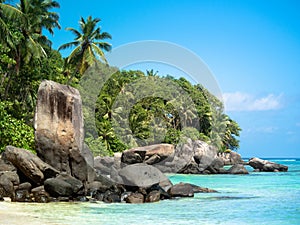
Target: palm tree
88, 44
27, 19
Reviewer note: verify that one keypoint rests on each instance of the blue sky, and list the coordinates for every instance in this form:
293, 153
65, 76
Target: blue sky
251, 46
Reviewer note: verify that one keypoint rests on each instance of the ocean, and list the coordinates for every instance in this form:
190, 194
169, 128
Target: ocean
257, 198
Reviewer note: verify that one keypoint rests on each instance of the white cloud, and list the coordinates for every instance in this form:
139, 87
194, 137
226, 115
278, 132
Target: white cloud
239, 101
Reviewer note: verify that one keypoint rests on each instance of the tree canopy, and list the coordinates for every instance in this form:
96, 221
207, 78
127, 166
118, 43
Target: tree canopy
124, 117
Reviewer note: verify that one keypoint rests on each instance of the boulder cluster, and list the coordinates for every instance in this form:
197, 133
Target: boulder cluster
63, 168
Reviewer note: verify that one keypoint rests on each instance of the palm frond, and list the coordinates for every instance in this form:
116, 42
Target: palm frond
99, 52
68, 45
74, 31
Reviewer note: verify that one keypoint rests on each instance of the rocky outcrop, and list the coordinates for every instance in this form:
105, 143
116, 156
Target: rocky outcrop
59, 130
29, 164
238, 169
266, 166
192, 157
141, 175
64, 169
231, 158
150, 155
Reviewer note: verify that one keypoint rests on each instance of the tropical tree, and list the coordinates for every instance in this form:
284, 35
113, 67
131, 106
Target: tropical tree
23, 30
88, 43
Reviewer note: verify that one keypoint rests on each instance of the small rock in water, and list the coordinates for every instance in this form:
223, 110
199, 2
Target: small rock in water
135, 198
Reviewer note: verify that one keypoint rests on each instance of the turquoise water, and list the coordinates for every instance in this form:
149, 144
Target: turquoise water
258, 198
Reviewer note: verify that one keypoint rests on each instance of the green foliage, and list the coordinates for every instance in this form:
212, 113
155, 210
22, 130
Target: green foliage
117, 116
13, 131
153, 119
88, 45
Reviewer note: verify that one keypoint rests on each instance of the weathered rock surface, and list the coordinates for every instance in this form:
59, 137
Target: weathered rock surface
6, 187
104, 164
135, 198
29, 164
153, 196
238, 169
182, 190
23, 192
59, 130
151, 154
141, 175
6, 165
40, 195
198, 189
231, 158
12, 176
193, 157
266, 166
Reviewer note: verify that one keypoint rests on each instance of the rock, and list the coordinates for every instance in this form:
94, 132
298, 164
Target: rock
105, 181
266, 166
216, 166
12, 176
238, 169
197, 189
118, 160
141, 175
40, 195
153, 196
57, 188
63, 186
59, 133
96, 187
181, 190
231, 158
165, 184
6, 166
111, 197
135, 198
104, 164
76, 184
23, 192
25, 186
151, 154
29, 164
6, 187
114, 175
192, 157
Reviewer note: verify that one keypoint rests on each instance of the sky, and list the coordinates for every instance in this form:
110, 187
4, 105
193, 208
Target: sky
252, 48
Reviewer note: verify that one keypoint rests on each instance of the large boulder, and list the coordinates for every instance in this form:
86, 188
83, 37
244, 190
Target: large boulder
29, 164
104, 164
238, 169
63, 186
181, 190
151, 154
142, 175
266, 166
192, 157
231, 158
6, 187
59, 132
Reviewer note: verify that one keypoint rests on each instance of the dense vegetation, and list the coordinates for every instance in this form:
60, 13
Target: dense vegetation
122, 120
